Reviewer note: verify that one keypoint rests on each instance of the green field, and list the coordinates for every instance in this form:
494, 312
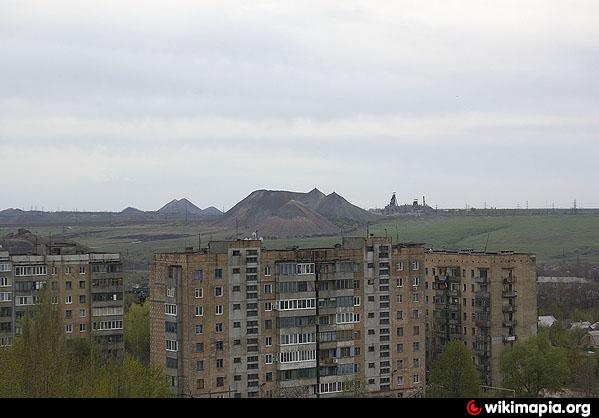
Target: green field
550, 237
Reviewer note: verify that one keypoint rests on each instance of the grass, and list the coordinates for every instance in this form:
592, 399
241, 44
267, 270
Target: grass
550, 237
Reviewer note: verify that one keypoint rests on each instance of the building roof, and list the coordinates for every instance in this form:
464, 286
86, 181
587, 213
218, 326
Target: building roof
546, 320
594, 338
548, 279
581, 325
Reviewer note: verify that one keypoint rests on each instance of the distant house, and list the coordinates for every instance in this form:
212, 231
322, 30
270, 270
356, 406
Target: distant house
584, 325
546, 321
595, 326
592, 340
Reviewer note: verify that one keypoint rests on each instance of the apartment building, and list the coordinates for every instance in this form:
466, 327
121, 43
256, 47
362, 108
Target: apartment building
487, 300
239, 320
87, 289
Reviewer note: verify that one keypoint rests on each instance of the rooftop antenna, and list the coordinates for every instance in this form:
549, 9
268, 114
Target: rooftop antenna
397, 232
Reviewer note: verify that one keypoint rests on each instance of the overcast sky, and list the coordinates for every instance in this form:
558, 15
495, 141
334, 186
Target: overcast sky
107, 104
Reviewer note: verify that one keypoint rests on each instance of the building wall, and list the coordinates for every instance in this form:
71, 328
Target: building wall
347, 296
487, 300
74, 283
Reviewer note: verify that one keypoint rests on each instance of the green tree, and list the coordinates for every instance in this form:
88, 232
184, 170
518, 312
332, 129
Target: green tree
137, 331
453, 374
43, 363
533, 365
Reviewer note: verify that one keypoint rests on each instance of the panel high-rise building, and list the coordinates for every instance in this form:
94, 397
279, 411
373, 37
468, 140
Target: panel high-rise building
87, 289
238, 320
487, 300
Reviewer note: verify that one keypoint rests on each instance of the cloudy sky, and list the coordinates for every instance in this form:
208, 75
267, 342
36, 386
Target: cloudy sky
106, 104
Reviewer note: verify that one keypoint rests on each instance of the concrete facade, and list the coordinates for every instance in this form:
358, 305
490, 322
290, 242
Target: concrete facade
487, 300
87, 289
237, 320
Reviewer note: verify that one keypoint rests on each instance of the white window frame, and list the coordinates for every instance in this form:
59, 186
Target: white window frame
219, 310
68, 300
199, 292
170, 309
199, 311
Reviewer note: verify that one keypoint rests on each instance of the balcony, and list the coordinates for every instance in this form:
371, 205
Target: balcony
508, 280
483, 323
483, 350
454, 293
509, 338
508, 308
453, 307
509, 294
383, 255
481, 280
510, 324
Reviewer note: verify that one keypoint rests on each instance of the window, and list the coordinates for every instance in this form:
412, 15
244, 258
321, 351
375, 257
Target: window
199, 275
236, 288
199, 293
172, 345
170, 327
170, 309
400, 380
416, 347
400, 348
69, 328
399, 315
416, 363
415, 281
268, 376
200, 365
81, 269
268, 324
67, 270
415, 314
268, 341
82, 327
220, 363
268, 359
416, 330
399, 266
200, 383
268, 306
415, 265
400, 332
400, 364
68, 285
236, 324
199, 311
219, 309
400, 282
220, 381
267, 271
218, 291
218, 273
416, 378
68, 300
236, 270
170, 292
219, 327
199, 329
268, 288
415, 297
199, 347
81, 298
356, 300
82, 313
